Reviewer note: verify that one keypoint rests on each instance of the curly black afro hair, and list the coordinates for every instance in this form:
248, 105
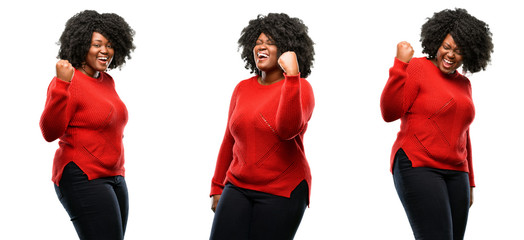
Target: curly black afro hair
76, 38
471, 35
289, 34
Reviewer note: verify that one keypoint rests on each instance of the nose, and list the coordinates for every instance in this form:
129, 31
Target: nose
451, 54
262, 46
103, 49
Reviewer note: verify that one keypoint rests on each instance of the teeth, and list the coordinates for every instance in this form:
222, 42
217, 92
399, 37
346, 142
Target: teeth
262, 55
103, 58
447, 61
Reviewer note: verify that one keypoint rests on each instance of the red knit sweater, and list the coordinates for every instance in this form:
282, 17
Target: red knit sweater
89, 118
263, 146
435, 111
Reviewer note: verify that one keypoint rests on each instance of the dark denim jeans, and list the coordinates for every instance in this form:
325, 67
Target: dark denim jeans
246, 214
436, 201
98, 208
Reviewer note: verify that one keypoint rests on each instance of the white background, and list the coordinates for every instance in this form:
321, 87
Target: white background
177, 89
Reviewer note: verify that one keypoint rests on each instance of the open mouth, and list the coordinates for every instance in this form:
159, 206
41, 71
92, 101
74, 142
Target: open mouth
262, 55
447, 63
103, 60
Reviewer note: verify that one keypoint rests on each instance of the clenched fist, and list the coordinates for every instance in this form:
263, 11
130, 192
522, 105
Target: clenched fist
289, 63
214, 202
404, 51
64, 70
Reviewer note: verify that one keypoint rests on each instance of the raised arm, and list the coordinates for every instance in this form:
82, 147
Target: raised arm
58, 110
296, 100
401, 88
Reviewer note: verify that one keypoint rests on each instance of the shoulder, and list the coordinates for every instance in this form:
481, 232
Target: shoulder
305, 84
105, 76
419, 62
464, 80
244, 84
420, 67
247, 82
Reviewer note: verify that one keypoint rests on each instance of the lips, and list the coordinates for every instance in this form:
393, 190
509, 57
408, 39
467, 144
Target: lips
262, 55
103, 60
447, 63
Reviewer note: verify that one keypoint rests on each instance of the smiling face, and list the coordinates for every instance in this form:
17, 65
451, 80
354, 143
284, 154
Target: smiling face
449, 57
266, 54
99, 55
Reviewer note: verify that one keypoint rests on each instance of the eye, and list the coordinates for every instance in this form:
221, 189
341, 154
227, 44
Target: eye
96, 45
109, 46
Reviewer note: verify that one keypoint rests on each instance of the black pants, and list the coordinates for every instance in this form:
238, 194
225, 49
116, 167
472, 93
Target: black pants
98, 208
246, 214
436, 201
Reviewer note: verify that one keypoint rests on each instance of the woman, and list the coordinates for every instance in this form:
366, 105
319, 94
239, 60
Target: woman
261, 184
431, 159
84, 111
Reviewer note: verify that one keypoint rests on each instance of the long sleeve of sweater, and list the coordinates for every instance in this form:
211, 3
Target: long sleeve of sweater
57, 111
225, 155
400, 91
294, 109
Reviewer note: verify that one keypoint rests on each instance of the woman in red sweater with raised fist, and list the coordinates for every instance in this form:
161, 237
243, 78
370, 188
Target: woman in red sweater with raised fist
84, 111
260, 189
431, 158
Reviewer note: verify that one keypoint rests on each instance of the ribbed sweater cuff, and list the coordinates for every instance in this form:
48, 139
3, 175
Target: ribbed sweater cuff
400, 64
61, 83
291, 77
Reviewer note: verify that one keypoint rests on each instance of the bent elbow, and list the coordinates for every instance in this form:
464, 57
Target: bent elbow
389, 112
49, 137
49, 134
389, 117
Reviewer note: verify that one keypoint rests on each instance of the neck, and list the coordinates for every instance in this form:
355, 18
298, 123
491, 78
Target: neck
268, 78
93, 74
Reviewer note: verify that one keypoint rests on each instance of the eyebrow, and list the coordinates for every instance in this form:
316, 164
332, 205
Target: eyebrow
268, 40
100, 41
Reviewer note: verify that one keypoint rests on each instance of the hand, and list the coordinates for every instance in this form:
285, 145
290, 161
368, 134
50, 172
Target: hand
404, 51
64, 70
470, 196
214, 202
289, 63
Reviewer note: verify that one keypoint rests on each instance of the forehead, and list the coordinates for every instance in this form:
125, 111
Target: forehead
98, 37
265, 37
449, 39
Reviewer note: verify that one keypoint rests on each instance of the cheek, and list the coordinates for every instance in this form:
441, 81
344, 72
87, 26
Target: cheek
459, 58
274, 50
274, 53
439, 54
91, 52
